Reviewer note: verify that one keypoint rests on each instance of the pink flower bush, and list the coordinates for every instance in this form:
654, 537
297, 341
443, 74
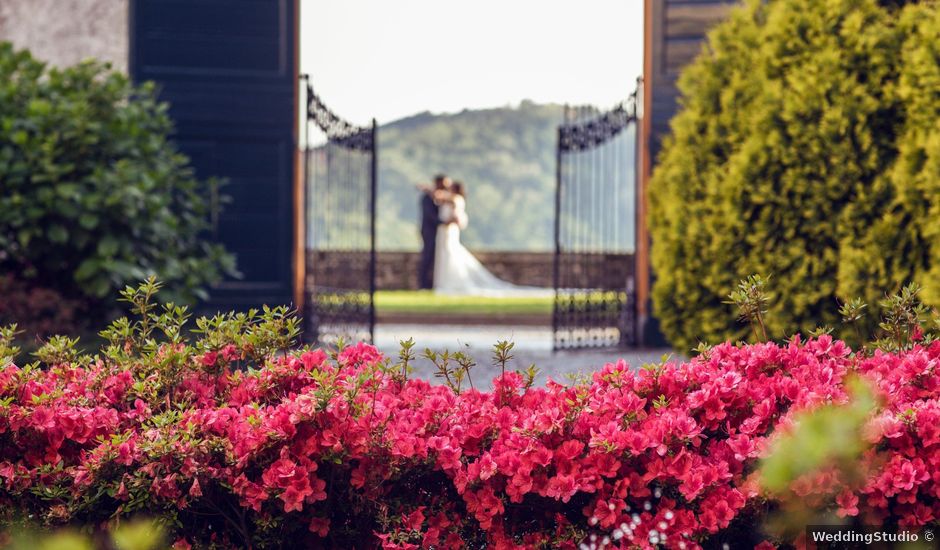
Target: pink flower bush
344, 452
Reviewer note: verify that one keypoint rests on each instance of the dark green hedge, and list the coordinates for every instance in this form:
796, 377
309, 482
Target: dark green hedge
94, 195
806, 148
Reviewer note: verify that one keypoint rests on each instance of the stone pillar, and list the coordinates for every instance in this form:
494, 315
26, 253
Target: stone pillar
64, 32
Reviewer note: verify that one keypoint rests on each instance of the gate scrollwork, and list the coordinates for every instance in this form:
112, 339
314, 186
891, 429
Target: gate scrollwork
595, 229
340, 177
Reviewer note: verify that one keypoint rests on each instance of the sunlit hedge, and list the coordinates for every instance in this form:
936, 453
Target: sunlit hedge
805, 148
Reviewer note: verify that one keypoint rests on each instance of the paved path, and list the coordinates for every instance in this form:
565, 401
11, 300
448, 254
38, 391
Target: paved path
532, 345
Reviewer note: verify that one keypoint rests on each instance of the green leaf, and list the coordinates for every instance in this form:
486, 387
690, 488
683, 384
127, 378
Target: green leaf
58, 234
68, 190
108, 246
138, 535
24, 236
88, 221
87, 269
19, 137
39, 107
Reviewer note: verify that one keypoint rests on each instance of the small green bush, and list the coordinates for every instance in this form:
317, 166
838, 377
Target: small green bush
94, 194
806, 148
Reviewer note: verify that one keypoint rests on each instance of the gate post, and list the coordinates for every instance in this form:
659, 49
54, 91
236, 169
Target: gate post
556, 275
372, 254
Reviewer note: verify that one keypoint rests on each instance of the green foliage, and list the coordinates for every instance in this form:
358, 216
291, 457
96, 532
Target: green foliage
405, 356
902, 243
852, 313
903, 316
827, 439
7, 350
827, 436
752, 299
905, 320
451, 376
505, 156
807, 147
156, 342
134, 535
94, 194
502, 355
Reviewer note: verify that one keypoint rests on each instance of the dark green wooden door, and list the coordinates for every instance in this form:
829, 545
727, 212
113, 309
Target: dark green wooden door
227, 68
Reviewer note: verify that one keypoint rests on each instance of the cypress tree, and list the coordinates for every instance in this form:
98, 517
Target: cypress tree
807, 149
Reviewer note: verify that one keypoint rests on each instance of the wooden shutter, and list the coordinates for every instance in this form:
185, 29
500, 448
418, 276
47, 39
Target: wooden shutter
228, 70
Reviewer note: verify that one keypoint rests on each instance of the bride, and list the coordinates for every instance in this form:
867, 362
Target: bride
456, 270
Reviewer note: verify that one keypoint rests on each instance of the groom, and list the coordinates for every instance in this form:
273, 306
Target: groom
430, 219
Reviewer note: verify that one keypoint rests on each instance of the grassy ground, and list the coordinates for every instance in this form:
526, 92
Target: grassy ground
425, 301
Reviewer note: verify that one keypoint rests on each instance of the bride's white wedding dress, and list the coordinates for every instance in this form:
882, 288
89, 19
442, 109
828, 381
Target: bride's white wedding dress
458, 272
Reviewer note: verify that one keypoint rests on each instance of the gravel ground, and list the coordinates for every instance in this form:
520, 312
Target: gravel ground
532, 345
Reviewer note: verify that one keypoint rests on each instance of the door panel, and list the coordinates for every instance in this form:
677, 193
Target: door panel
228, 70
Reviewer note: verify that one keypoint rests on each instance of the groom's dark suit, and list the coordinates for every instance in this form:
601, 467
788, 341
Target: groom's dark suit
429, 222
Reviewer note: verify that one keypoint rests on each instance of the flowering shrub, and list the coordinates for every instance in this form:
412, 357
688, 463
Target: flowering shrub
234, 441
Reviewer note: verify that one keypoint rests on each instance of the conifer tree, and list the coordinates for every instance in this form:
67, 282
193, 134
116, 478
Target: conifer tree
806, 149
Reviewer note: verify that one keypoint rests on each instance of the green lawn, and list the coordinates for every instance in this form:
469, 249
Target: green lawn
425, 301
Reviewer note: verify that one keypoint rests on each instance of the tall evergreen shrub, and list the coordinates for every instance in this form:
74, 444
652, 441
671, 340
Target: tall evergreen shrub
807, 149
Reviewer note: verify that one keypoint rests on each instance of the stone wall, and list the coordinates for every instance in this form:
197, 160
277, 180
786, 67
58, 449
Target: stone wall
398, 270
64, 32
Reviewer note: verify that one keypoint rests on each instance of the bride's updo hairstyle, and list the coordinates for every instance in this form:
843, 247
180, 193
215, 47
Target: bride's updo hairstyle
458, 189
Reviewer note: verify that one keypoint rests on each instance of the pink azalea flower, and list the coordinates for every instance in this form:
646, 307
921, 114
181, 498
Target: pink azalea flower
320, 526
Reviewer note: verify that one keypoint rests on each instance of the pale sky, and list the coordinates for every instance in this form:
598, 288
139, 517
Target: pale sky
393, 58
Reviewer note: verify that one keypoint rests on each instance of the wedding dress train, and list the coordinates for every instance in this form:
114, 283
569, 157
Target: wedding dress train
458, 272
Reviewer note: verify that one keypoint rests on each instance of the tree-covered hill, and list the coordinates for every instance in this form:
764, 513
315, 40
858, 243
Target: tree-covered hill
506, 158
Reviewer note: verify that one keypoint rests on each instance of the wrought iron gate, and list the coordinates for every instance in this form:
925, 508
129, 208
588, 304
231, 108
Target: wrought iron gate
595, 229
340, 177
